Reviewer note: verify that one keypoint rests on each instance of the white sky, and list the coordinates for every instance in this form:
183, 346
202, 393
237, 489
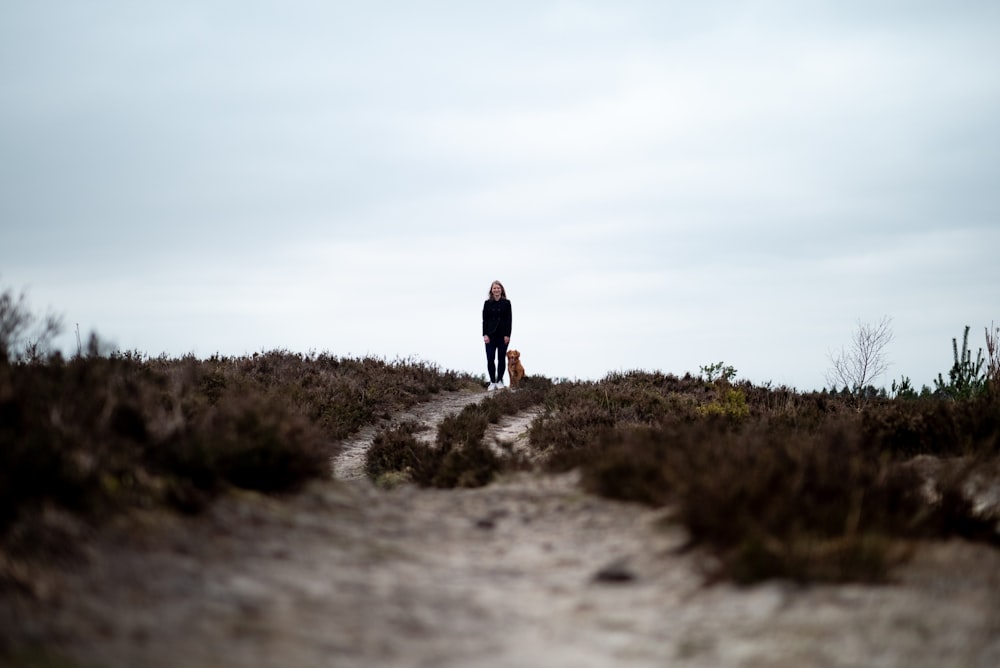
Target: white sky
660, 185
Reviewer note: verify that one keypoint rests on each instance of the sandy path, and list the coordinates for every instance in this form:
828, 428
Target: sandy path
528, 571
350, 463
512, 432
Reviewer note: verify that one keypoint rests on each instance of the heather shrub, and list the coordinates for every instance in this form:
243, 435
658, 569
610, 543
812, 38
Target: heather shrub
340, 394
395, 450
934, 427
458, 457
579, 415
771, 482
469, 465
770, 501
806, 506
255, 442
100, 434
575, 417
72, 433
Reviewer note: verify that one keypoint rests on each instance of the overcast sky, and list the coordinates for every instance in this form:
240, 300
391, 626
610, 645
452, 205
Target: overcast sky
659, 185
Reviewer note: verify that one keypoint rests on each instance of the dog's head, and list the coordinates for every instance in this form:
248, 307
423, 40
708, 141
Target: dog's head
513, 355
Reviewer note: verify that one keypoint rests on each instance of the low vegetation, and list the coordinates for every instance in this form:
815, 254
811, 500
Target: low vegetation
100, 434
775, 483
769, 481
459, 455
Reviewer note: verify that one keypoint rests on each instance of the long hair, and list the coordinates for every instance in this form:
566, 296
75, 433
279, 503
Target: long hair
503, 292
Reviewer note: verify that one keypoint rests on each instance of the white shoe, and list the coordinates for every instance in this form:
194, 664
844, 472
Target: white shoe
491, 387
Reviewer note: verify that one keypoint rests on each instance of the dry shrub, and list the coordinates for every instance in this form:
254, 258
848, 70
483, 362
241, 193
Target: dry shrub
255, 442
939, 427
72, 434
776, 484
771, 502
459, 457
579, 415
470, 465
394, 450
397, 452
101, 434
341, 394
776, 503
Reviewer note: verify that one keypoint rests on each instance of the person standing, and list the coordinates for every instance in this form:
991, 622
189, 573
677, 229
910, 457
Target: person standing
496, 333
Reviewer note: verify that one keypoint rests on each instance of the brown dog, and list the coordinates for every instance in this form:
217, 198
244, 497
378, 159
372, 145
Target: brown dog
514, 368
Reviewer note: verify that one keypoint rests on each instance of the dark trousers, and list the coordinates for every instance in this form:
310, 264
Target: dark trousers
496, 358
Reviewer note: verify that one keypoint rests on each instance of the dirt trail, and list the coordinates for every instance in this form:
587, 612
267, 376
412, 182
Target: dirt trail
350, 463
528, 571
512, 431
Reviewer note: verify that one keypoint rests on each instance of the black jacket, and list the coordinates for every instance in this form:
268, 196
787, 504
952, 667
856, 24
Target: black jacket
496, 318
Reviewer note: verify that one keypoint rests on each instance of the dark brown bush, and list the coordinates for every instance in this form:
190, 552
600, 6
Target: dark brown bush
394, 450
774, 483
942, 427
459, 457
100, 434
253, 442
774, 503
444, 465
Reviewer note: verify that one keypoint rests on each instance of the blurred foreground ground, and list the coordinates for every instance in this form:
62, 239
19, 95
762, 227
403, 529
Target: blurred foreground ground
528, 571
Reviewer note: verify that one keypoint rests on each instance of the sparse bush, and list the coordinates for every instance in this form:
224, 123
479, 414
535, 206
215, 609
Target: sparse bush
718, 371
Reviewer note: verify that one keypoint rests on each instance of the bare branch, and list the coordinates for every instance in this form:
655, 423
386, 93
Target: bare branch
858, 367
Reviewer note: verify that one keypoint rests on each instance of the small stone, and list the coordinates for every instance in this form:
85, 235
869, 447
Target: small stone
616, 572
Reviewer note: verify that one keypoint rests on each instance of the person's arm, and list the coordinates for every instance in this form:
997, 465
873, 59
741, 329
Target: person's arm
510, 322
486, 339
